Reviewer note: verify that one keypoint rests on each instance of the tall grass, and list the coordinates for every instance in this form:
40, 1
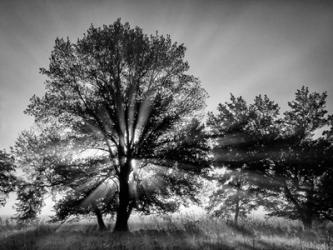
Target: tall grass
169, 232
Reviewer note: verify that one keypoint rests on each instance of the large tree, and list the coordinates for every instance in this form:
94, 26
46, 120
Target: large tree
65, 164
131, 92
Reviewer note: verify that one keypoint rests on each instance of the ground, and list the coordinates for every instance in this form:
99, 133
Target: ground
167, 232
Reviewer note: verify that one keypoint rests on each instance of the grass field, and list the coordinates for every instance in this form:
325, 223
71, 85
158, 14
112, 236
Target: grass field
165, 232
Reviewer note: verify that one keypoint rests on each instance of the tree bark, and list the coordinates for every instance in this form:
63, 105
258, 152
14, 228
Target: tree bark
123, 211
308, 212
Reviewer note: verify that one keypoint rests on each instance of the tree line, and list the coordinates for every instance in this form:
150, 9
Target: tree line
121, 127
280, 162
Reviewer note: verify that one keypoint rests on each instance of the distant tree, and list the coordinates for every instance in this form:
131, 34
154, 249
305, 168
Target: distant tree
243, 135
307, 114
30, 201
131, 93
7, 176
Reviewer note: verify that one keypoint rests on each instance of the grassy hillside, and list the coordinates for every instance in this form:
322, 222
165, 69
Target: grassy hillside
168, 233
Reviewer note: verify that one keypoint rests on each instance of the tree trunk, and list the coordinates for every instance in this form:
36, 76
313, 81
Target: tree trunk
237, 201
236, 212
101, 225
305, 214
307, 219
123, 211
307, 223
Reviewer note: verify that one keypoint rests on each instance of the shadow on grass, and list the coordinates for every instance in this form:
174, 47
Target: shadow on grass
46, 238
197, 235
265, 245
240, 229
26, 239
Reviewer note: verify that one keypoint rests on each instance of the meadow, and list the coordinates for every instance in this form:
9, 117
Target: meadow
167, 232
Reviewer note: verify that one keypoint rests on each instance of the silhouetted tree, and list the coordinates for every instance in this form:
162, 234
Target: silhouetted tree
7, 177
131, 93
243, 135
290, 166
304, 163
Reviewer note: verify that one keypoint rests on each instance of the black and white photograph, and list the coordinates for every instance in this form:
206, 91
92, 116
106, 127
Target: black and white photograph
166, 124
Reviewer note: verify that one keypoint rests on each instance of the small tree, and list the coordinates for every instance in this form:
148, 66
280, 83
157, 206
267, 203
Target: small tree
235, 195
131, 93
30, 201
7, 177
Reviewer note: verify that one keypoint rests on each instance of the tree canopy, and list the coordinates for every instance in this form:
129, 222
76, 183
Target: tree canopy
127, 94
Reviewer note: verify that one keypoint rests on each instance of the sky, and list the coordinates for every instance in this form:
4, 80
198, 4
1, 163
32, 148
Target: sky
241, 47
